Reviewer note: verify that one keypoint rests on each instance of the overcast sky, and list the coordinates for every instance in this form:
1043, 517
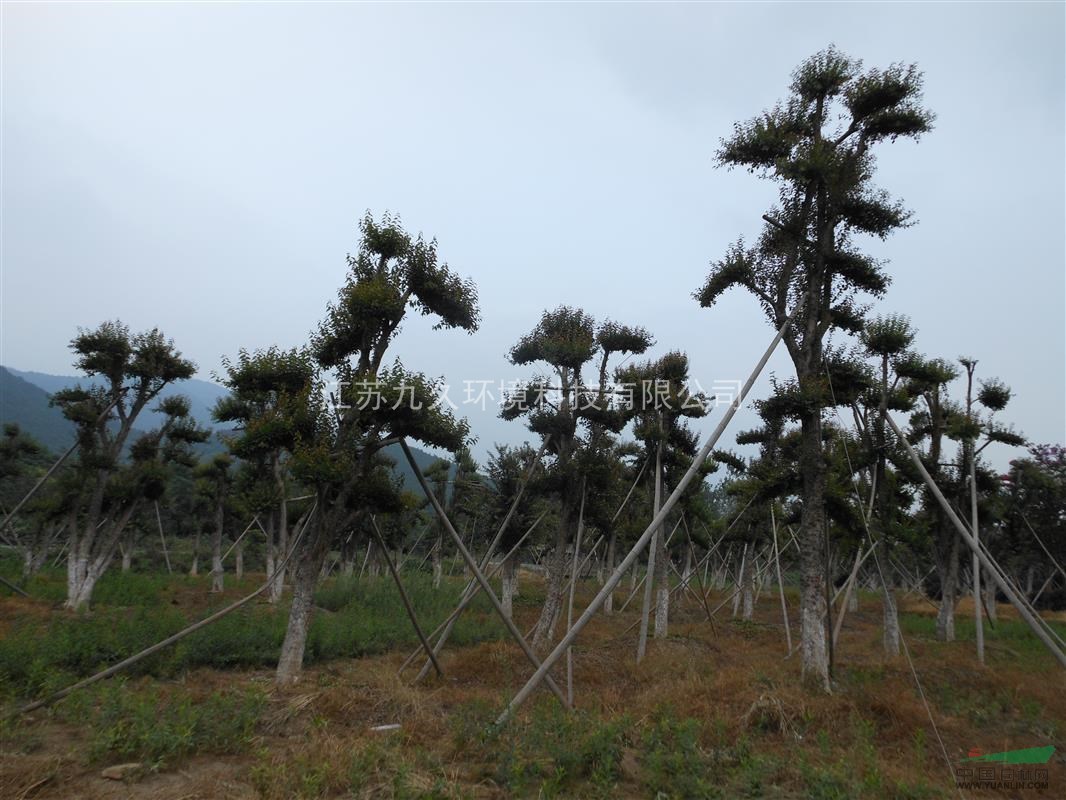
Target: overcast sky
202, 168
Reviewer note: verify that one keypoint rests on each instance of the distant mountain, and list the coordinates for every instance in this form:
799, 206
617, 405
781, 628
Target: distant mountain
202, 394
26, 404
24, 398
424, 461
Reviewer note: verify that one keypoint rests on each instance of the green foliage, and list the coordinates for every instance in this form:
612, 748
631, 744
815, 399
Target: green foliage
358, 618
159, 728
564, 338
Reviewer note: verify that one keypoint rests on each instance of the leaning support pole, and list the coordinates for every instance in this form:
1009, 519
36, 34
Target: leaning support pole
12, 586
642, 542
403, 596
985, 562
480, 576
162, 537
59, 462
155, 648
979, 627
471, 587
653, 552
849, 587
780, 583
469, 596
237, 541
570, 604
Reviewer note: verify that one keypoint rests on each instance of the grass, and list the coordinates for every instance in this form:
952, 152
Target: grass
354, 618
708, 713
160, 727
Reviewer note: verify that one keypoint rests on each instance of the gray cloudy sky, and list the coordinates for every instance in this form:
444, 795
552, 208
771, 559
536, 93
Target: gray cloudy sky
203, 167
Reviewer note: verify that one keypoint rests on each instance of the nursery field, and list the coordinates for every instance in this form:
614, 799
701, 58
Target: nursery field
712, 711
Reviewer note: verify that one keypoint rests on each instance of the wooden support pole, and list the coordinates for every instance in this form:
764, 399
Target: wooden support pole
649, 575
44, 478
468, 597
479, 575
155, 648
970, 542
238, 539
403, 596
162, 536
570, 602
976, 582
642, 542
780, 583
471, 587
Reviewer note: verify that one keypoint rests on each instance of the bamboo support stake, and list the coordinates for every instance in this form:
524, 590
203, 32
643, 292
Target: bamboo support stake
468, 598
570, 602
471, 587
1040, 541
642, 542
36, 487
649, 575
984, 561
644, 577
780, 583
366, 558
162, 536
155, 648
238, 539
848, 588
479, 575
403, 596
978, 622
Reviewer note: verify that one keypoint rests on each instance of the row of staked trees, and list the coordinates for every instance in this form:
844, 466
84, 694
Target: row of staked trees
308, 459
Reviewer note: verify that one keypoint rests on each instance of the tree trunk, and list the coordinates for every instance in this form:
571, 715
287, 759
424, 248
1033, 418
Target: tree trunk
662, 588
989, 588
305, 576
747, 584
194, 569
814, 656
949, 581
662, 560
438, 570
507, 583
216, 548
277, 549
556, 578
654, 559
90, 553
608, 603
281, 531
891, 623
238, 569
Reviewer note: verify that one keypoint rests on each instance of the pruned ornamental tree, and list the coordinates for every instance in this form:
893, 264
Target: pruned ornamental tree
507, 468
928, 379
338, 457
133, 369
661, 401
567, 341
1033, 542
887, 339
818, 147
22, 461
268, 404
214, 481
